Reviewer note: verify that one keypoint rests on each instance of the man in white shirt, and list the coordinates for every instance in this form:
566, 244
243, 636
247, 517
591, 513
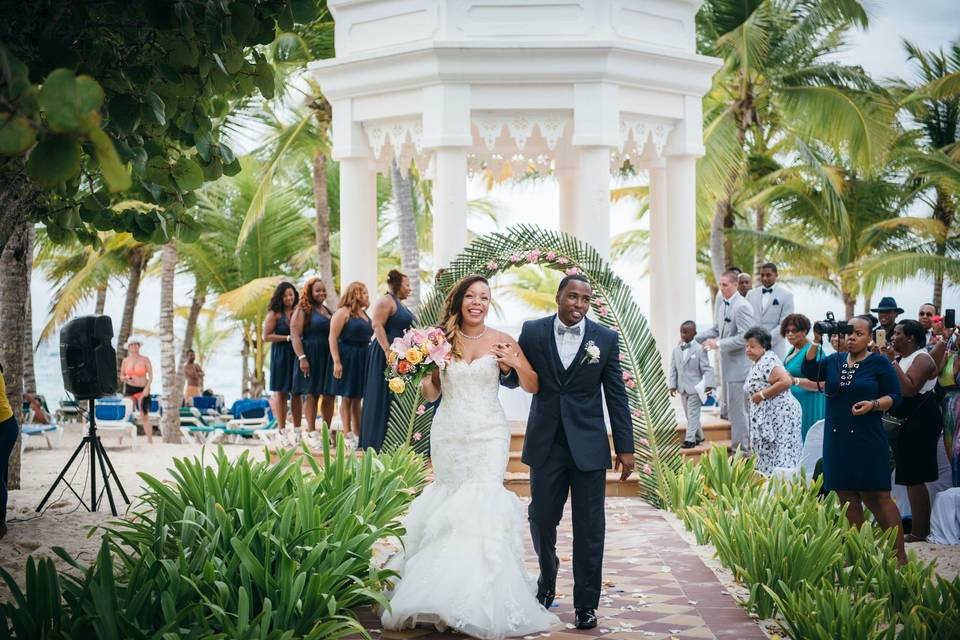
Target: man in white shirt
771, 302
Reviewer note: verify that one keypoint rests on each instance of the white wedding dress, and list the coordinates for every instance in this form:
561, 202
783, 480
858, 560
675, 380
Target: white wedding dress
462, 563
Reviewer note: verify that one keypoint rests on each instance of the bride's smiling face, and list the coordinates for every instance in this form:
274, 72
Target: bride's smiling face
476, 303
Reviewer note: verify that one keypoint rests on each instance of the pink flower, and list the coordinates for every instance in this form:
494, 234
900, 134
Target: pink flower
631, 384
638, 413
572, 271
422, 409
551, 256
627, 375
621, 357
515, 258
439, 353
647, 469
563, 260
644, 442
417, 436
534, 256
604, 311
492, 266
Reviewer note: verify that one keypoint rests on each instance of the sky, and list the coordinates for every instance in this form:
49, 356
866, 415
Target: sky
927, 23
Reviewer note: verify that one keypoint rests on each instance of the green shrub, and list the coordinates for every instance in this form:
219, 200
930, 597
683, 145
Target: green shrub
723, 475
820, 611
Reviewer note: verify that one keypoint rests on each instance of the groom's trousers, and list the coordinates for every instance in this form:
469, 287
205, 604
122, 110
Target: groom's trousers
549, 486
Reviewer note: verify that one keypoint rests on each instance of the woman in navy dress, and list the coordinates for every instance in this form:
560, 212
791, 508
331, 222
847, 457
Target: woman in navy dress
276, 330
859, 385
390, 319
310, 333
350, 333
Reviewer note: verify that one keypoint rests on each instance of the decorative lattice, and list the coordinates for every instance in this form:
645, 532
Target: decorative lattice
654, 420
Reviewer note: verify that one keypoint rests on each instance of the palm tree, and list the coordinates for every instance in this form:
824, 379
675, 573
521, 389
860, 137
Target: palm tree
407, 231
207, 337
777, 89
29, 371
172, 385
14, 284
533, 286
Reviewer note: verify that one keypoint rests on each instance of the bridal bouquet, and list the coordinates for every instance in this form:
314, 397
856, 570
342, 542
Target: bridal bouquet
414, 355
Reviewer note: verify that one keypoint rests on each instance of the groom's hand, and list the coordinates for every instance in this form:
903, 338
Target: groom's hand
625, 464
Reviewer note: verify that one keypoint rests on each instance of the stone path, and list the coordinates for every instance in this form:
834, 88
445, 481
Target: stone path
655, 587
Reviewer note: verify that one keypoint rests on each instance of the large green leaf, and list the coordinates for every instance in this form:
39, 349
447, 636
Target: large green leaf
16, 135
54, 160
70, 102
116, 175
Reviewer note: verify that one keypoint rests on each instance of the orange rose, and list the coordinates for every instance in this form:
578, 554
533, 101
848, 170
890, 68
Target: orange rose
404, 367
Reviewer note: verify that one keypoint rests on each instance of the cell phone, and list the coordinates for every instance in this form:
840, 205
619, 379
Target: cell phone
881, 338
950, 318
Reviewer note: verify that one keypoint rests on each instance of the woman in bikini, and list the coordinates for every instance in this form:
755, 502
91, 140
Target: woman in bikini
137, 373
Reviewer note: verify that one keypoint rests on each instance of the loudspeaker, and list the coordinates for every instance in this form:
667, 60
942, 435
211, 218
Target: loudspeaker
87, 359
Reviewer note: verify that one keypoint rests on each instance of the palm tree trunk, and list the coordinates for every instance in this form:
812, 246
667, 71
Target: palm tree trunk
407, 224
867, 303
101, 300
759, 256
849, 304
172, 386
718, 258
322, 206
29, 371
196, 306
137, 260
245, 366
943, 211
14, 285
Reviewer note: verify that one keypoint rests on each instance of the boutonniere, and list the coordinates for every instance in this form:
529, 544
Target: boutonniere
591, 353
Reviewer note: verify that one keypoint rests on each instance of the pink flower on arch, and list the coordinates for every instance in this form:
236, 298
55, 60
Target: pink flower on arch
638, 413
534, 256
644, 442
422, 409
417, 436
562, 260
515, 258
631, 384
572, 271
604, 311
647, 469
492, 266
621, 357
627, 375
551, 256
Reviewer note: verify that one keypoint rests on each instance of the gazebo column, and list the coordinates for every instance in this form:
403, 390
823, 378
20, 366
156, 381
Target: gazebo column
681, 179
596, 132
358, 223
565, 171
661, 287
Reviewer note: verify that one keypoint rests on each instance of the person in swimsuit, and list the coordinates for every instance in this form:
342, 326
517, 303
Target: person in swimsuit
193, 374
136, 372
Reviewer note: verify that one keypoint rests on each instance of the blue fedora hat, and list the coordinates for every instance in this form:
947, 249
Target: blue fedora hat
887, 304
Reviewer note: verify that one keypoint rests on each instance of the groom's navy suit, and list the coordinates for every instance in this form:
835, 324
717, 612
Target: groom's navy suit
567, 450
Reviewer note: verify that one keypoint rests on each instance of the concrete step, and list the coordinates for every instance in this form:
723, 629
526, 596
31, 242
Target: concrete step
714, 430
519, 483
515, 465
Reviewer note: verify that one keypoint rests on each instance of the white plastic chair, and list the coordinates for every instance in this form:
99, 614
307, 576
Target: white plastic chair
117, 426
812, 449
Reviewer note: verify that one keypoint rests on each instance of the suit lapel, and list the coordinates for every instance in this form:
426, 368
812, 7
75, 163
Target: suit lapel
550, 352
590, 333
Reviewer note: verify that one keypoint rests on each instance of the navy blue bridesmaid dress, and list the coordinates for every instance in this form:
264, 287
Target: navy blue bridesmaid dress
376, 396
353, 343
316, 346
282, 358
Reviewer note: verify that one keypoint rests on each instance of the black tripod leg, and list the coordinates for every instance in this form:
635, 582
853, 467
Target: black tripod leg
113, 472
98, 450
63, 472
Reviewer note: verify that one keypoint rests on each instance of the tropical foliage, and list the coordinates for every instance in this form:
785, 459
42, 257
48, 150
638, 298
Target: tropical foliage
654, 421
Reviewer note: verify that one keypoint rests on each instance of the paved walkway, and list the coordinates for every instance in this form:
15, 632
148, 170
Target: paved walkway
655, 586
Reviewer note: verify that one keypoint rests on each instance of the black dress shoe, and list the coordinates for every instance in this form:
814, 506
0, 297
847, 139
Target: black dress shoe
586, 618
546, 599
688, 444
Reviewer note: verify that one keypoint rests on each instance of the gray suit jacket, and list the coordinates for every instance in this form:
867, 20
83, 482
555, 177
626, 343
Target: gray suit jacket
688, 367
770, 318
731, 319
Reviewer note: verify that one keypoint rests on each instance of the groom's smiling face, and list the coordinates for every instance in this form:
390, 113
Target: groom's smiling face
573, 302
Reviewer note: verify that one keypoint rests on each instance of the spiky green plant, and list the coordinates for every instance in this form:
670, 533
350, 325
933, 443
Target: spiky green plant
654, 419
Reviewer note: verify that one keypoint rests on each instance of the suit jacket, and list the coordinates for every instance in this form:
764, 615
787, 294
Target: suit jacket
770, 318
688, 367
573, 402
731, 321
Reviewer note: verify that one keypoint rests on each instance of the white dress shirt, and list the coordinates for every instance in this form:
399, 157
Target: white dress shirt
766, 297
568, 344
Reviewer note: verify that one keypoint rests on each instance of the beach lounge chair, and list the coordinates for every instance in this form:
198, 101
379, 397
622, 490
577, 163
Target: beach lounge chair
31, 431
116, 418
264, 428
196, 429
68, 411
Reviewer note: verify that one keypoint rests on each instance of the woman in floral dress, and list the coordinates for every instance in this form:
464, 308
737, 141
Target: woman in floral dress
775, 414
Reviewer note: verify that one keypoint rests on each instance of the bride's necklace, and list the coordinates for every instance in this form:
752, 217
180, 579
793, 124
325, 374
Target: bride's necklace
476, 337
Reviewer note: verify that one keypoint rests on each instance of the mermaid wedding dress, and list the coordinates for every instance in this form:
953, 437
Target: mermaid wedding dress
462, 563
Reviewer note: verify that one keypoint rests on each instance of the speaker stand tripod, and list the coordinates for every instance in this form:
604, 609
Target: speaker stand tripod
98, 457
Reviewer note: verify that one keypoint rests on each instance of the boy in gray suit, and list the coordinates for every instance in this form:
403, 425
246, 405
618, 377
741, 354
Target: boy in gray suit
689, 366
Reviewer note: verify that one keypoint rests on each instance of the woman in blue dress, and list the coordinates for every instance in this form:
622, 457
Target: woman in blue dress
350, 333
859, 386
310, 338
795, 328
390, 319
276, 331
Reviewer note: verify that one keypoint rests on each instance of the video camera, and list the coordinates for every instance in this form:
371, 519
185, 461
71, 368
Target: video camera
831, 326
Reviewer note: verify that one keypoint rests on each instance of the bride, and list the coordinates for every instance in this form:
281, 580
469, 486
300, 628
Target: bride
462, 561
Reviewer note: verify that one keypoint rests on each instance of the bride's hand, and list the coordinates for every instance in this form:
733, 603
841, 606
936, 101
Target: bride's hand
507, 355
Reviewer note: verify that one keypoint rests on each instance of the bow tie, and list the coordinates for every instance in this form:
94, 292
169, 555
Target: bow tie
685, 346
571, 330
726, 302
766, 290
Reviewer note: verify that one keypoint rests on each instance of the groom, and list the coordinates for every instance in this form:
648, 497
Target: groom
566, 444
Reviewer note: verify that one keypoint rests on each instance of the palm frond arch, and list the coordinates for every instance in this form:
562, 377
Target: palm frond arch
654, 420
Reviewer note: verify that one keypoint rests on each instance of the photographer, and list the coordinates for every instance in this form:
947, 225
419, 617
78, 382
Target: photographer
859, 386
920, 421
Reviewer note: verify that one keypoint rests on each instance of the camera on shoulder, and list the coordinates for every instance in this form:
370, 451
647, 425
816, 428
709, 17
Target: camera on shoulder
831, 326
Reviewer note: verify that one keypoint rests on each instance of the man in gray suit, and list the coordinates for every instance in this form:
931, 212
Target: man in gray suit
771, 302
689, 367
732, 317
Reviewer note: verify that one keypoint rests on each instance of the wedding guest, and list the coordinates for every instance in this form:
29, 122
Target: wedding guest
193, 375
887, 312
350, 333
946, 356
136, 371
925, 317
915, 452
794, 329
690, 367
732, 316
276, 331
859, 386
775, 415
390, 319
309, 336
772, 302
744, 284
9, 430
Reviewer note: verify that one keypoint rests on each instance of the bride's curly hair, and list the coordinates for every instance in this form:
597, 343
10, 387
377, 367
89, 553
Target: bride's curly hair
453, 312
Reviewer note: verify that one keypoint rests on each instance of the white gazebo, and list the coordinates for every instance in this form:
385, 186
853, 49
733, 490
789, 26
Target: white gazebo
573, 86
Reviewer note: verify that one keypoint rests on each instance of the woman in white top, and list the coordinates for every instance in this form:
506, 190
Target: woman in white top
915, 450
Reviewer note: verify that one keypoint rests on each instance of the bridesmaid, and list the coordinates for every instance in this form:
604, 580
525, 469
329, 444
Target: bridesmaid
350, 333
276, 330
310, 329
795, 328
390, 319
